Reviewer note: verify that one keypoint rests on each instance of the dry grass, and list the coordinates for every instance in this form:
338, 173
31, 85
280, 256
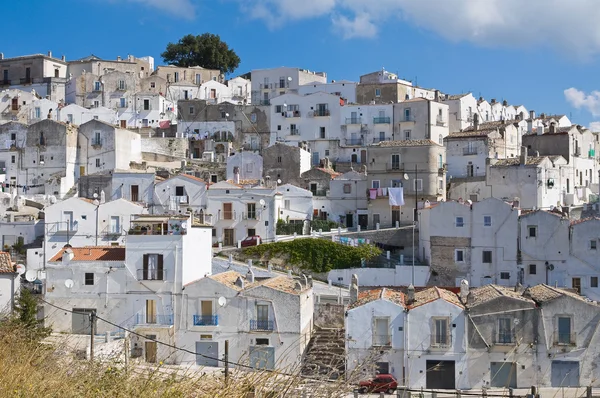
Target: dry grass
29, 369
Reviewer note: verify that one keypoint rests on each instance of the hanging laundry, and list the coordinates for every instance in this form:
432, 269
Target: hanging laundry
384, 191
373, 193
396, 196
379, 192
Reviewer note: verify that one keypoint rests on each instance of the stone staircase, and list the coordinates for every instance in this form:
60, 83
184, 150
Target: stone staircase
325, 355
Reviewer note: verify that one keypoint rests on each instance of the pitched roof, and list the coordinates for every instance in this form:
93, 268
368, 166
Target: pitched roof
434, 293
543, 293
228, 279
582, 220
93, 253
406, 143
455, 96
331, 172
487, 293
283, 283
531, 161
6, 264
390, 294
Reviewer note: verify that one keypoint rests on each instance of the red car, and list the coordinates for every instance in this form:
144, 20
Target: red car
251, 241
381, 383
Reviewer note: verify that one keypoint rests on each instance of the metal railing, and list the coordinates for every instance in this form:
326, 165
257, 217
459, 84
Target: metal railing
381, 120
565, 338
469, 151
319, 192
353, 120
289, 114
252, 215
264, 102
394, 166
261, 325
504, 338
379, 139
206, 320
154, 231
206, 219
145, 319
382, 340
439, 121
294, 132
97, 142
145, 274
409, 118
181, 199
64, 227
227, 215
112, 230
441, 340
321, 112
379, 193
355, 141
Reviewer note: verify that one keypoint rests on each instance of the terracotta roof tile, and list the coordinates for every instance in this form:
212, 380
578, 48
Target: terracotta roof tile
191, 177
284, 284
6, 264
483, 294
390, 294
406, 143
434, 293
543, 293
531, 161
582, 220
93, 253
331, 172
228, 279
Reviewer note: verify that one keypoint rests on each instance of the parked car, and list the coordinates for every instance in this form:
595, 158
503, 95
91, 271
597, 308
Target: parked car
251, 241
381, 383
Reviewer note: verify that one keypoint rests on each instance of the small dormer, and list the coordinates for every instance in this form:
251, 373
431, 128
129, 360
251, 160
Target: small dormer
239, 282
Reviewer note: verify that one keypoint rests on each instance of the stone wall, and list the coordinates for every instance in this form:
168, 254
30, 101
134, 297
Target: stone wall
444, 269
329, 315
165, 149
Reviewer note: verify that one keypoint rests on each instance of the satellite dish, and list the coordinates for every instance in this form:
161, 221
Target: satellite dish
222, 301
278, 181
30, 275
405, 176
551, 267
516, 321
20, 269
262, 202
289, 78
69, 283
184, 225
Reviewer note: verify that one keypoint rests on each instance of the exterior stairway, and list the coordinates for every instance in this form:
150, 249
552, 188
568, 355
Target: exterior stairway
325, 355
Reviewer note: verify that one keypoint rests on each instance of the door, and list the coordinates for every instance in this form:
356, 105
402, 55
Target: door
134, 193
576, 283
123, 124
81, 170
150, 347
354, 158
363, 156
349, 220
150, 311
262, 357
228, 237
353, 117
440, 375
315, 158
363, 221
80, 320
206, 310
381, 332
144, 122
565, 374
68, 220
503, 374
115, 226
395, 215
210, 350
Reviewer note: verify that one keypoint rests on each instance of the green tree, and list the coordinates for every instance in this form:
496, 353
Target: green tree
206, 50
25, 315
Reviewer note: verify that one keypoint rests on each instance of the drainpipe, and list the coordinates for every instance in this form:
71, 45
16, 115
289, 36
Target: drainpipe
428, 119
406, 350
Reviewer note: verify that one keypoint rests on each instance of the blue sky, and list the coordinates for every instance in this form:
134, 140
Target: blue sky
543, 54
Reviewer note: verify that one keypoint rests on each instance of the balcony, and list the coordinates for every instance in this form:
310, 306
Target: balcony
353, 120
394, 166
203, 219
227, 215
112, 232
143, 230
206, 320
355, 141
321, 113
159, 320
64, 227
96, 143
439, 121
408, 119
504, 338
381, 120
565, 338
145, 274
252, 215
181, 199
149, 224
319, 192
264, 102
378, 140
294, 132
258, 325
291, 114
441, 340
382, 340
469, 151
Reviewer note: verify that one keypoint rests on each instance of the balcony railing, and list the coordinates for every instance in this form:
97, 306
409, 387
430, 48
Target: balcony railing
382, 340
146, 274
290, 114
407, 119
440, 122
206, 320
261, 325
154, 231
355, 141
96, 142
112, 231
381, 120
379, 139
5, 82
394, 166
145, 319
182, 199
504, 338
565, 338
206, 219
253, 215
227, 215
469, 151
319, 192
353, 120
294, 132
264, 102
441, 340
64, 227
321, 112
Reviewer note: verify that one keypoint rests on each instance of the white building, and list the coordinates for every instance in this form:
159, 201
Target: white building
147, 109
273, 82
297, 203
178, 194
241, 90
249, 166
344, 89
37, 110
12, 101
78, 115
344, 201
363, 125
9, 283
421, 119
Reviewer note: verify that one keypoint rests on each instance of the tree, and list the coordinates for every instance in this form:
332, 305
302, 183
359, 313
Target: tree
207, 51
25, 316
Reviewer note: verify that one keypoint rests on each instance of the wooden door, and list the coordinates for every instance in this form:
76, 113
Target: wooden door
81, 170
134, 193
123, 124
227, 211
151, 351
150, 311
228, 237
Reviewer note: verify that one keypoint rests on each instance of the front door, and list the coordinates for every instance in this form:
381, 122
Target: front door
349, 220
363, 220
565, 374
440, 375
81, 170
150, 311
262, 357
123, 124
81, 320
151, 351
363, 156
503, 374
115, 227
134, 193
228, 237
576, 283
395, 215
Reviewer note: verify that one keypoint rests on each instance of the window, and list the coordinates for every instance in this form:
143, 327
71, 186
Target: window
96, 104
38, 112
214, 232
70, 118
396, 161
251, 208
122, 85
486, 256
459, 256
41, 159
176, 77
180, 191
593, 244
152, 84
407, 134
594, 281
418, 185
375, 219
12, 159
564, 330
505, 335
532, 231
532, 269
262, 341
97, 162
347, 188
407, 114
152, 267
198, 78
123, 103
97, 86
505, 275
375, 184
326, 152
441, 332
278, 159
460, 222
278, 109
89, 278
42, 139
286, 204
487, 221
378, 92
321, 132
146, 104
191, 110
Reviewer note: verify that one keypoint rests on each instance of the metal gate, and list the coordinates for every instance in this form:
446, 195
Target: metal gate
503, 374
565, 374
262, 357
211, 350
440, 375
80, 320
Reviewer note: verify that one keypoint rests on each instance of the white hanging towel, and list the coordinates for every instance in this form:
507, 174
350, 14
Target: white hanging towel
396, 196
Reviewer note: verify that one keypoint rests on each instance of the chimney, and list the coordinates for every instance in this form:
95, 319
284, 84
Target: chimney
464, 290
298, 286
532, 114
493, 101
523, 156
437, 96
411, 294
480, 99
239, 282
552, 128
537, 154
518, 117
540, 129
250, 276
50, 54
475, 122
63, 58
236, 175
516, 203
310, 281
118, 57
1, 55
505, 103
289, 273
354, 289
542, 115
67, 256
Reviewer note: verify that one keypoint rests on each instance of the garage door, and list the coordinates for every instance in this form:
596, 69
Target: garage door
81, 320
503, 374
262, 357
210, 349
440, 375
565, 374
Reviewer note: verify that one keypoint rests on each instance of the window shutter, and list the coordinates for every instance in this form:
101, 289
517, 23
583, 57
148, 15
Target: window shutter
145, 269
160, 267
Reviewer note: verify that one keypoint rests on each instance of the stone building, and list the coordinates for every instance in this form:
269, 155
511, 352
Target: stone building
195, 75
285, 163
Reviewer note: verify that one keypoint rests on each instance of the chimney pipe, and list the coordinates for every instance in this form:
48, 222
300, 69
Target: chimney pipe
552, 128
532, 114
505, 103
493, 101
542, 115
50, 54
118, 57
523, 156
354, 289
464, 290
63, 58
411, 294
1, 55
475, 122
540, 129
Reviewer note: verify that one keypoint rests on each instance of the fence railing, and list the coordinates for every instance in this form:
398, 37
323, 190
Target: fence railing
381, 120
261, 325
147, 319
149, 274
382, 340
206, 320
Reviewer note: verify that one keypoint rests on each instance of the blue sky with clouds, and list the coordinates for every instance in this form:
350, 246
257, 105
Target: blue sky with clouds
540, 53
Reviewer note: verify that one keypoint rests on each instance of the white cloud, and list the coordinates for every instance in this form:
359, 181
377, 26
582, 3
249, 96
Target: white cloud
569, 26
580, 100
595, 126
180, 8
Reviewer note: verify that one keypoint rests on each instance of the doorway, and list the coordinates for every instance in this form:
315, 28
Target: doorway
228, 237
81, 171
363, 157
439, 375
150, 311
123, 124
151, 348
363, 221
395, 215
80, 320
565, 374
134, 193
349, 220
503, 374
207, 353
576, 284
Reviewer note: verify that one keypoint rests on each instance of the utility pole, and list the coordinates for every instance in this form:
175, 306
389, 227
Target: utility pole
126, 344
92, 334
226, 363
